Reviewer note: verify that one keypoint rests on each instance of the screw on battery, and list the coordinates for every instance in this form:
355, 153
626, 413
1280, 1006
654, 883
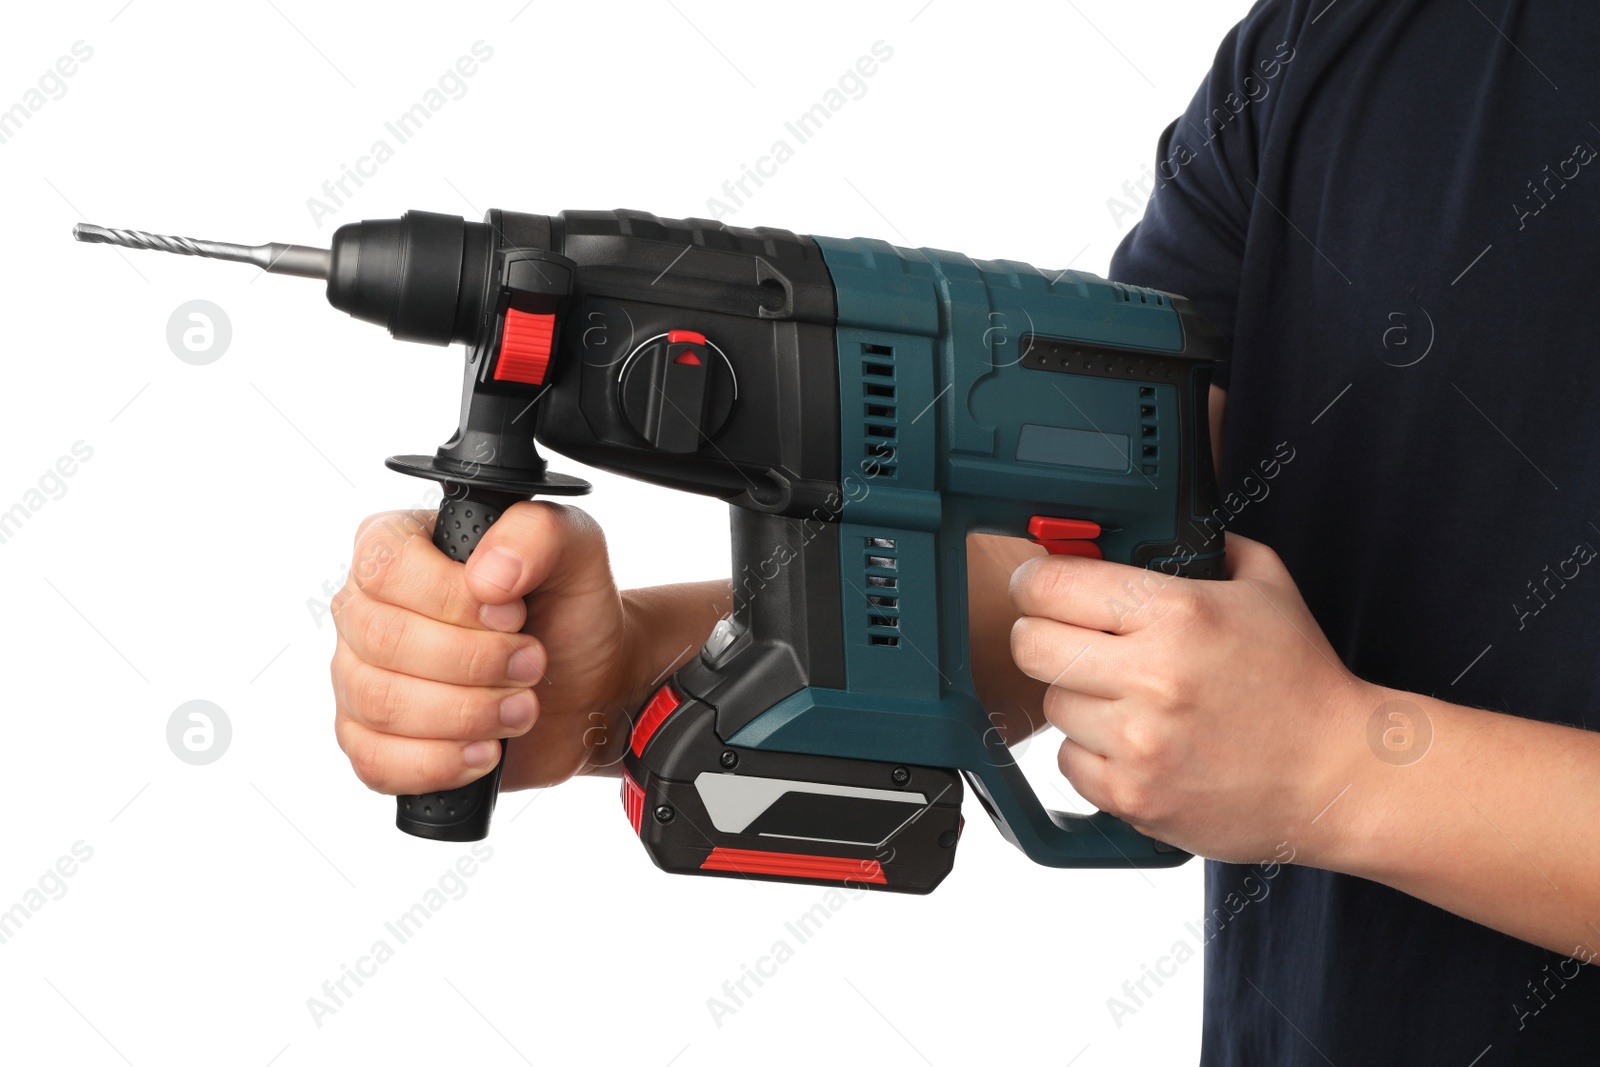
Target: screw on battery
664, 813
729, 759
900, 776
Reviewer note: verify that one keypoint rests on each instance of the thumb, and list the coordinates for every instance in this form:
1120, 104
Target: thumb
538, 545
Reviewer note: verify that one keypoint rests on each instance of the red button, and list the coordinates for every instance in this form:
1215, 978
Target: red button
685, 337
1066, 537
1048, 528
525, 347
664, 703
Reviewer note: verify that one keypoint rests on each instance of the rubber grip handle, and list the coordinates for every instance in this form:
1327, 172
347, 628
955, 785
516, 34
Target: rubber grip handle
463, 814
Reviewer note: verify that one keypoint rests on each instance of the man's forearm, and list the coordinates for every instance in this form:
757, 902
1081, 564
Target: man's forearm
664, 626
667, 624
1498, 820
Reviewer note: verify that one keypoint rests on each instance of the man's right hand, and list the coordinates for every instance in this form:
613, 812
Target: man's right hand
435, 661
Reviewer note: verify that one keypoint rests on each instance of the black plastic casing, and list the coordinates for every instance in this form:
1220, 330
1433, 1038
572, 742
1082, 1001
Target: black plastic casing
763, 296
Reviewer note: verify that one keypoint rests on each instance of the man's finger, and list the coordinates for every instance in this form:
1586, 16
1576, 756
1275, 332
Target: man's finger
396, 563
1092, 593
1093, 722
537, 545
1087, 771
410, 765
1073, 657
416, 520
409, 642
395, 703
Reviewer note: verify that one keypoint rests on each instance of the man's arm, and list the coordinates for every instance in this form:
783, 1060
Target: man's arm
1489, 820
1217, 717
1498, 821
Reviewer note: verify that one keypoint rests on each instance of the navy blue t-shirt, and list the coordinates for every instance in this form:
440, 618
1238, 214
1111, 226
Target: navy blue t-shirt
1392, 209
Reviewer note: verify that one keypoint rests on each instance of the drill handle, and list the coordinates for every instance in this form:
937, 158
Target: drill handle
1097, 839
461, 814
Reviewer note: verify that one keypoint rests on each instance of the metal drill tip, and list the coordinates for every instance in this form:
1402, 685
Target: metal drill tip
297, 260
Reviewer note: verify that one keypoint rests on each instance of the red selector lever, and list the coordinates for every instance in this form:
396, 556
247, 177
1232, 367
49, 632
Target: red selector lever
1065, 537
525, 347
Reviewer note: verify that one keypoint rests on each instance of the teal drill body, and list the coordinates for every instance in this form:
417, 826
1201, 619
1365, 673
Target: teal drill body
976, 396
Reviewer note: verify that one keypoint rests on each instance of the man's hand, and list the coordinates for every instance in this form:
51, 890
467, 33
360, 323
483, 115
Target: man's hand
1211, 715
436, 661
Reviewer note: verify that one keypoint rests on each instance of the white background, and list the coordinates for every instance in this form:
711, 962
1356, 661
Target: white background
187, 558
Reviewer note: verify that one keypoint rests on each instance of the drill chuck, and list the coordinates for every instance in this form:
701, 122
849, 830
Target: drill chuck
423, 276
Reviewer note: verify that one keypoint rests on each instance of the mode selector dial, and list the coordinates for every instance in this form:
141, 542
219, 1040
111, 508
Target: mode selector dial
677, 390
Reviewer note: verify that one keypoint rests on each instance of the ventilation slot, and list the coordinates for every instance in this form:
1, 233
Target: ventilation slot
1149, 431
1135, 294
880, 411
883, 592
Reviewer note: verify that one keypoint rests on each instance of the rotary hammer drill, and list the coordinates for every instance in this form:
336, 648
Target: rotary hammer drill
862, 408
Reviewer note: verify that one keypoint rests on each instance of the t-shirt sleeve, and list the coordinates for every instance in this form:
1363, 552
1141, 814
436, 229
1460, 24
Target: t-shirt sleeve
1191, 240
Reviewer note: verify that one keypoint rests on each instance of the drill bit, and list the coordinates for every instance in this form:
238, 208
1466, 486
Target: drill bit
300, 261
